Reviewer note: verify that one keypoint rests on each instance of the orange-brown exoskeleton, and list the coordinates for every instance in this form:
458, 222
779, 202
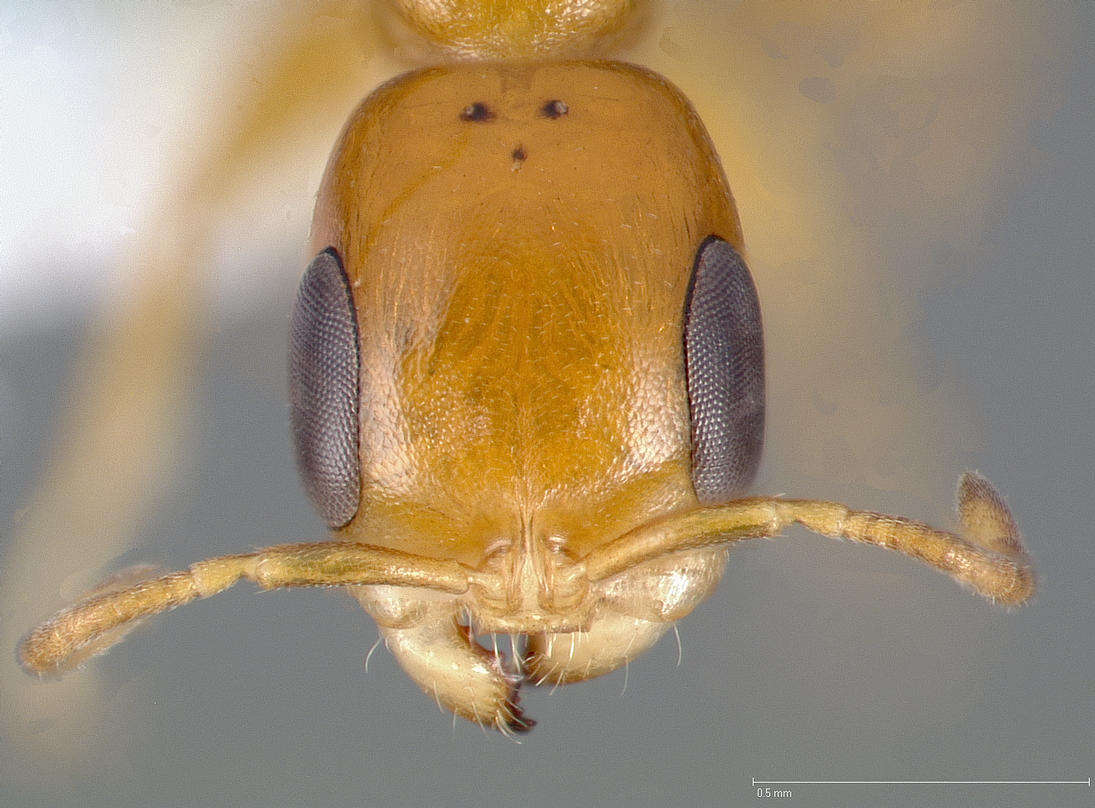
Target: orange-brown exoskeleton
527, 389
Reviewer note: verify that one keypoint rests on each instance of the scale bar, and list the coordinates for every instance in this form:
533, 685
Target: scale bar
1086, 782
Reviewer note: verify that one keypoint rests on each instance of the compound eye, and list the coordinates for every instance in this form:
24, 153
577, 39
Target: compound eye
323, 389
724, 369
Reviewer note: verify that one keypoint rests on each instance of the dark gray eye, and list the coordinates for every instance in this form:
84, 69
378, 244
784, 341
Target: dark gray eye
323, 389
724, 368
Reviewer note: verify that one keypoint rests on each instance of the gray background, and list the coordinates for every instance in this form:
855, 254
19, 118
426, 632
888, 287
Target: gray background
919, 218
